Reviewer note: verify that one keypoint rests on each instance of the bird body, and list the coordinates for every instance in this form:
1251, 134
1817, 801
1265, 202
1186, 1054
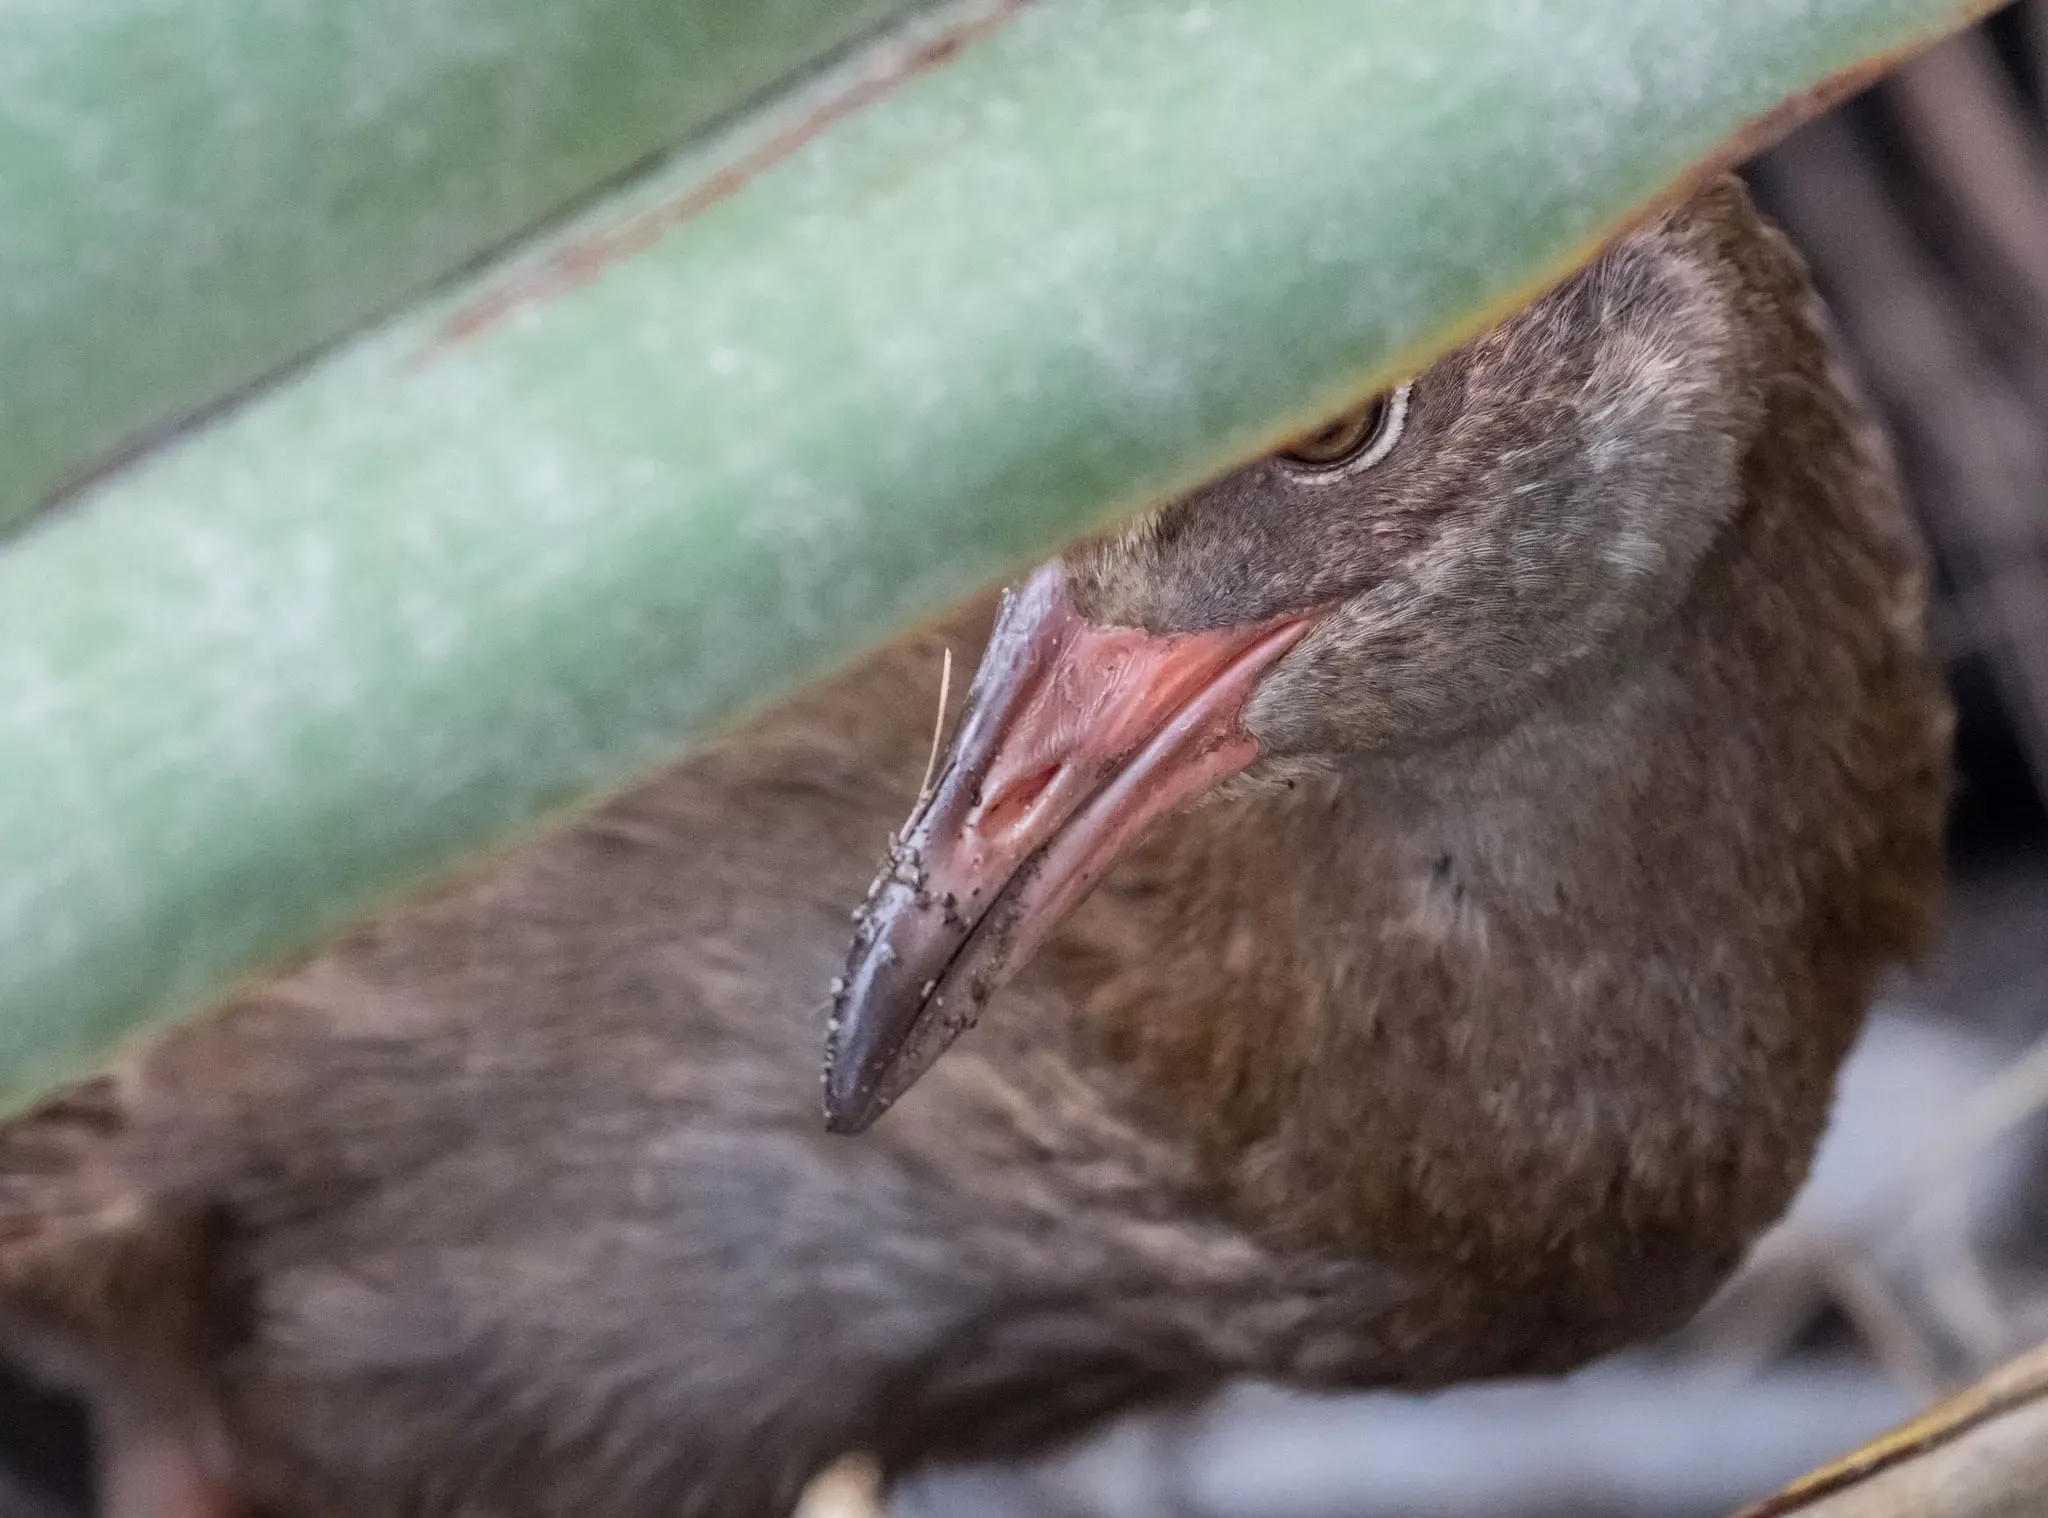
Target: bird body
1473, 1026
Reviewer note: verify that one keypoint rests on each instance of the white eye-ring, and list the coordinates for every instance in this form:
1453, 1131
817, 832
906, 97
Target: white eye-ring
1357, 440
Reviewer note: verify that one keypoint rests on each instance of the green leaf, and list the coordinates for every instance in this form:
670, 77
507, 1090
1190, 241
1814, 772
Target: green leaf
1014, 269
193, 194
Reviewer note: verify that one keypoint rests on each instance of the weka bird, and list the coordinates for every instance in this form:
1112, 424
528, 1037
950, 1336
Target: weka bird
1576, 767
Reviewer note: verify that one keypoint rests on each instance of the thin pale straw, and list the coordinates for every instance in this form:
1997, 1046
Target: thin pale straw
931, 764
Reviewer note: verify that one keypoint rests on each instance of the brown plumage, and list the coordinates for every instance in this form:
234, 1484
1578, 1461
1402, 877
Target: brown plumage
1475, 1026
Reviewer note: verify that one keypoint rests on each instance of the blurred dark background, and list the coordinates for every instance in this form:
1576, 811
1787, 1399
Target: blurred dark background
1919, 1256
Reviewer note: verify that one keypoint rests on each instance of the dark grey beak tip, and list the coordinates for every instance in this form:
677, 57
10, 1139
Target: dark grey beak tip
881, 1035
873, 1017
849, 1108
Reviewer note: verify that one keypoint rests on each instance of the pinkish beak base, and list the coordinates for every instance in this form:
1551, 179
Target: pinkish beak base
1076, 737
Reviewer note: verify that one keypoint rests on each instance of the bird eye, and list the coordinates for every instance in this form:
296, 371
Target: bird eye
1360, 438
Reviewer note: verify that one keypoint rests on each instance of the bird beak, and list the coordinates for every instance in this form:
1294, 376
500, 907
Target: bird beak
1074, 739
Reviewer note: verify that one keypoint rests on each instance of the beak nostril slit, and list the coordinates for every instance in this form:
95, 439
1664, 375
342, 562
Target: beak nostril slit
1012, 804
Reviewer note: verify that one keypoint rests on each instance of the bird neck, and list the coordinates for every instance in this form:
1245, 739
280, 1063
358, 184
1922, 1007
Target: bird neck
1567, 1002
